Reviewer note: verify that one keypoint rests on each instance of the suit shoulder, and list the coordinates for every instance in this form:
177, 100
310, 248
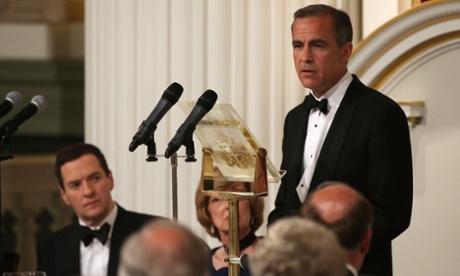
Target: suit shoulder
297, 108
296, 112
372, 96
378, 96
382, 105
138, 218
373, 102
141, 216
62, 233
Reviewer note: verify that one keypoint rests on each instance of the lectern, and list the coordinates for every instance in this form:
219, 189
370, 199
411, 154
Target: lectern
229, 145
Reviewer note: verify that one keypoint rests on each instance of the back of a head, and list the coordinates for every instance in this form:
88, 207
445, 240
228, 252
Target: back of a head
163, 248
298, 247
342, 209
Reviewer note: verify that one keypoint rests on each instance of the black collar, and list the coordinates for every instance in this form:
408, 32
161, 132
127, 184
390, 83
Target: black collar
245, 242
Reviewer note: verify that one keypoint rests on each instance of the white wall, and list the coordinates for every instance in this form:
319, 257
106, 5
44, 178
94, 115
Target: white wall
431, 244
376, 13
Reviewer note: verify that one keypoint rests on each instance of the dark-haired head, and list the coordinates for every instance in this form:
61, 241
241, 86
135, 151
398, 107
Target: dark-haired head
343, 30
73, 152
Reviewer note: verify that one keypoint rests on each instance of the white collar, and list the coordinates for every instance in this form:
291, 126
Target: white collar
335, 95
110, 219
351, 269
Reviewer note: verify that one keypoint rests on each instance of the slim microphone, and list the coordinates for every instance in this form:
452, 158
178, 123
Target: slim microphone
148, 126
37, 104
12, 99
203, 105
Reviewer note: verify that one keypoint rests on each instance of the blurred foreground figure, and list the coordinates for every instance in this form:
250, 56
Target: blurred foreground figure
298, 247
164, 248
348, 214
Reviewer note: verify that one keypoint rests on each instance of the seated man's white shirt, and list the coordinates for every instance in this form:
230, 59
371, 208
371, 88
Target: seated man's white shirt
94, 258
351, 269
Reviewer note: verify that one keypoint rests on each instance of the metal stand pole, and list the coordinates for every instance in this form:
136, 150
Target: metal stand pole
190, 157
259, 188
234, 243
174, 184
6, 152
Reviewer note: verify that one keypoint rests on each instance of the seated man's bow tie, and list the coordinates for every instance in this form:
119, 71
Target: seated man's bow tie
87, 234
321, 105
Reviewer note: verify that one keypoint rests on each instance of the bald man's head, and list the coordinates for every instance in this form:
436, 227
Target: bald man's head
164, 247
341, 208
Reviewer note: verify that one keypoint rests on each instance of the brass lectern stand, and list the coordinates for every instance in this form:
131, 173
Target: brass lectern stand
230, 146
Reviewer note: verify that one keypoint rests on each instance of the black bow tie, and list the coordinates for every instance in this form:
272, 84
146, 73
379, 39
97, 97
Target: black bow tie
87, 235
313, 103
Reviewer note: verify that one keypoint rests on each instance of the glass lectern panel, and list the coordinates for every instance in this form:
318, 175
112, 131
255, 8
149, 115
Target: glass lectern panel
233, 147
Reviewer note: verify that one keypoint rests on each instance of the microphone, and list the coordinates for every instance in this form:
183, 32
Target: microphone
244, 261
12, 99
37, 104
148, 126
203, 105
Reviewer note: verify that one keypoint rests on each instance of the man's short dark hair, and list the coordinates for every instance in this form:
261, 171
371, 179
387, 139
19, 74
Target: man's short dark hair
343, 30
73, 152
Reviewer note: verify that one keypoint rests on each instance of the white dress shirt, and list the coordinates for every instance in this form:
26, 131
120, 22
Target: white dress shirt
318, 126
351, 269
94, 258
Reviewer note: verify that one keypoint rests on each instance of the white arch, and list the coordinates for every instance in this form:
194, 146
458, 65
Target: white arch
400, 37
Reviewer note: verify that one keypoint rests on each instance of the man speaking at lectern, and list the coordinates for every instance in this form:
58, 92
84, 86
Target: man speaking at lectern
344, 131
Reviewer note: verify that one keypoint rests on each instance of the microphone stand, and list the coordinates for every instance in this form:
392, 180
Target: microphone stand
190, 157
174, 184
6, 152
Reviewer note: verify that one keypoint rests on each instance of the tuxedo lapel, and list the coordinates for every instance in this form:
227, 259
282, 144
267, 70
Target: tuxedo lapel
118, 234
67, 253
333, 143
296, 133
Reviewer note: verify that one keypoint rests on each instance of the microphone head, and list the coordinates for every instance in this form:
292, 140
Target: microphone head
244, 261
14, 97
40, 102
173, 93
207, 100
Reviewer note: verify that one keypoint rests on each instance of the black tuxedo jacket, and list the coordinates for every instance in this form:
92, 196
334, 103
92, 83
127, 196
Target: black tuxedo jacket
59, 254
368, 147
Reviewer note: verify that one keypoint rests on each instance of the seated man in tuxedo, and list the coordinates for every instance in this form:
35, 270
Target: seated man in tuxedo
92, 245
348, 214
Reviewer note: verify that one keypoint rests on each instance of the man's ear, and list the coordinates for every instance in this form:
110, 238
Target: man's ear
366, 243
346, 51
64, 196
110, 176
